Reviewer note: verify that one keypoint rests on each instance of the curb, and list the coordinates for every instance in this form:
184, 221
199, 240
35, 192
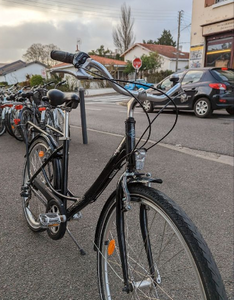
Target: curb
98, 95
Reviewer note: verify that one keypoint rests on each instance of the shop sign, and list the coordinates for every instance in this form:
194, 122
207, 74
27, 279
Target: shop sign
218, 27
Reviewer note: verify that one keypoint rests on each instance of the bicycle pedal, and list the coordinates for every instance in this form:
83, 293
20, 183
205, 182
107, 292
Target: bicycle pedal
51, 219
24, 192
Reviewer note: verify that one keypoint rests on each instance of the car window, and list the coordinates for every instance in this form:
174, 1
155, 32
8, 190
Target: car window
180, 74
192, 77
166, 84
226, 75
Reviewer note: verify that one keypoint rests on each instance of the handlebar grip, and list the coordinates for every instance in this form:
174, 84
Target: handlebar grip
62, 56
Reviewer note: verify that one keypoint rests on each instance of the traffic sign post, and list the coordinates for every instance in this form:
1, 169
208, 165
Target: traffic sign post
136, 63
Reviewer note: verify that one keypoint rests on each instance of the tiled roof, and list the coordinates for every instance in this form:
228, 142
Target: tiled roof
108, 61
12, 67
19, 64
165, 50
100, 59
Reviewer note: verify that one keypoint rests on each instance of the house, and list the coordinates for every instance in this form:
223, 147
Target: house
114, 66
212, 34
18, 71
167, 53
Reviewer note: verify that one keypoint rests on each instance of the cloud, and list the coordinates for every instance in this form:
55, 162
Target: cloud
15, 41
93, 23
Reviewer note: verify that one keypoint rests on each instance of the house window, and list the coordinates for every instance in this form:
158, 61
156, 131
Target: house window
209, 2
219, 52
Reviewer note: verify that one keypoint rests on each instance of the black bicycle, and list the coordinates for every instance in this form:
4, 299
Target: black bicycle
147, 248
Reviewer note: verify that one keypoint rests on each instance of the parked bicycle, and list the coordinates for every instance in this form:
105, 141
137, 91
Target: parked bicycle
147, 248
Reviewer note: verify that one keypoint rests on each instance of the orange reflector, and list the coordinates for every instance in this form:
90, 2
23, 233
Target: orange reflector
42, 108
16, 121
111, 247
18, 107
41, 153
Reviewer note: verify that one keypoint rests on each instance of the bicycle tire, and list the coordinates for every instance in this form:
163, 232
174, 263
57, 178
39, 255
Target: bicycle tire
27, 114
181, 256
35, 203
7, 123
49, 120
13, 128
2, 124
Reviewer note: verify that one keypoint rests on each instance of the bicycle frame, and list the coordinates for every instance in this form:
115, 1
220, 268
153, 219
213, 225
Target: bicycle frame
123, 152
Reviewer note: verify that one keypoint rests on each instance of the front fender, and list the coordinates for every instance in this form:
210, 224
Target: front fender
101, 217
106, 207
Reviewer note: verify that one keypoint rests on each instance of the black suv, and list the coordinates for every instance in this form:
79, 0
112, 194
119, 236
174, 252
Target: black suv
207, 89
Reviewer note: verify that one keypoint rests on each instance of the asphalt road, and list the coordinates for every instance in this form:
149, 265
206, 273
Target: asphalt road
34, 267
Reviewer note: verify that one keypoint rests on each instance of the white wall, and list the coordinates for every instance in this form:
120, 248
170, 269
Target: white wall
20, 75
202, 15
135, 52
167, 63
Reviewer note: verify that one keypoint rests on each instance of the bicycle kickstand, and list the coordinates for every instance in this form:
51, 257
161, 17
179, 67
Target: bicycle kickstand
82, 252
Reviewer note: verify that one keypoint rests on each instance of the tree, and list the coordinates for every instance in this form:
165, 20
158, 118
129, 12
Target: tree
123, 34
41, 53
165, 39
149, 42
36, 80
101, 52
150, 62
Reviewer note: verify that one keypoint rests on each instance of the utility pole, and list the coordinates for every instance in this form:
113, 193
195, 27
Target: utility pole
178, 39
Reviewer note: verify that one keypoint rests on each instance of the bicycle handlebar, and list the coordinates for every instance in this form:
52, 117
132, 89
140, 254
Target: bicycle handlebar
82, 61
62, 56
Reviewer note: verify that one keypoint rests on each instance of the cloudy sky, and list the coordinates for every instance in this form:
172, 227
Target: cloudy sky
63, 23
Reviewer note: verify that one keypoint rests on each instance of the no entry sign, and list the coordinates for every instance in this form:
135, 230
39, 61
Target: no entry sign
136, 63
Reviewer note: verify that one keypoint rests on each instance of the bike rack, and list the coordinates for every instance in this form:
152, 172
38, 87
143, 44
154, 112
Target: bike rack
83, 116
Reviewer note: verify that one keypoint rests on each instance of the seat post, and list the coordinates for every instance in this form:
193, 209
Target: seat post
66, 140
66, 125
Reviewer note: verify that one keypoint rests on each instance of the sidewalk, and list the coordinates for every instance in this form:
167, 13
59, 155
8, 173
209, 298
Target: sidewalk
100, 91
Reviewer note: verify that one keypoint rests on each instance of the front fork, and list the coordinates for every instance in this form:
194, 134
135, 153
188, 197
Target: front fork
122, 206
120, 210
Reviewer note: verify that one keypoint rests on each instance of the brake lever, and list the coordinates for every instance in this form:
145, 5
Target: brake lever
79, 74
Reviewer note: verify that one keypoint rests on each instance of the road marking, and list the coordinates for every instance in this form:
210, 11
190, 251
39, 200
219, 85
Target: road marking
220, 158
93, 108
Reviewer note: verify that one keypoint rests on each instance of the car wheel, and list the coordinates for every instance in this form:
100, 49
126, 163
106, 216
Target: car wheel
148, 106
202, 108
230, 110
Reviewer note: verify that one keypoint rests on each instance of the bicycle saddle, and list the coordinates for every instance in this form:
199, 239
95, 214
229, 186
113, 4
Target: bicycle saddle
57, 97
27, 94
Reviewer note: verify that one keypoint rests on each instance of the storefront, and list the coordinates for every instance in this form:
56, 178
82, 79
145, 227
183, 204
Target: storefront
219, 44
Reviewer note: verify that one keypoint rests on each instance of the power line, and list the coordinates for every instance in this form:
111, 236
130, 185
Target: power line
67, 9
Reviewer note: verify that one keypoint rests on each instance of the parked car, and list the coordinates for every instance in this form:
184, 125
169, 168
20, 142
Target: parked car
207, 89
138, 84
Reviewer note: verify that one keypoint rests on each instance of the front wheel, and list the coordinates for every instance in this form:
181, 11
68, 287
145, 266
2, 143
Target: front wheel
167, 256
230, 110
148, 106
